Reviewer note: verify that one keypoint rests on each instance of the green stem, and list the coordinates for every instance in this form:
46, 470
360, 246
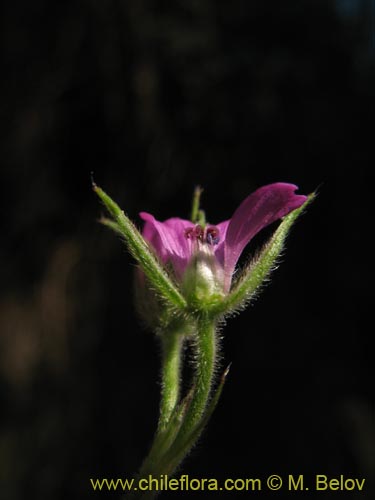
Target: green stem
205, 363
172, 345
180, 425
171, 367
206, 349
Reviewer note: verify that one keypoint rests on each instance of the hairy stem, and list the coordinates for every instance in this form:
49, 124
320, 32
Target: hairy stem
172, 346
181, 424
171, 367
206, 349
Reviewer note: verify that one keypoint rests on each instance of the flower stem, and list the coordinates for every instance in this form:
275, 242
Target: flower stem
172, 345
171, 367
206, 349
181, 423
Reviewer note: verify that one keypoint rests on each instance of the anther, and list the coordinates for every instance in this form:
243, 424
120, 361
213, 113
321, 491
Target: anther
212, 235
199, 232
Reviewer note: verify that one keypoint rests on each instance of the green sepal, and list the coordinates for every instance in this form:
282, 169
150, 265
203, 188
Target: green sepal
258, 270
139, 249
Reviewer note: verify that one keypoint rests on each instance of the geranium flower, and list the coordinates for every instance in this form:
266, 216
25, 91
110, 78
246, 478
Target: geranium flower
189, 268
179, 242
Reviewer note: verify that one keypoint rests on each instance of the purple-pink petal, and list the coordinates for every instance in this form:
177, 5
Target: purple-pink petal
219, 248
168, 240
264, 206
172, 244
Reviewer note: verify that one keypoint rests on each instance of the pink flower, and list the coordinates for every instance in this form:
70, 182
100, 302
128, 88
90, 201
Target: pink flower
177, 241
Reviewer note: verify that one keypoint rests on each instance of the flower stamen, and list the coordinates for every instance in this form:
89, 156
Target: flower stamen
209, 235
212, 235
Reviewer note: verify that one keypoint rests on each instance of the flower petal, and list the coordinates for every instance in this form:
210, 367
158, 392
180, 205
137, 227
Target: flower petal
169, 241
219, 249
264, 206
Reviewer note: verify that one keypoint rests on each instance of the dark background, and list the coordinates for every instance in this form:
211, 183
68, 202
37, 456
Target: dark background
155, 97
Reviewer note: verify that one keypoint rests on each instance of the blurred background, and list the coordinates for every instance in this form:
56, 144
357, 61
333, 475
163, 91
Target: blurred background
156, 97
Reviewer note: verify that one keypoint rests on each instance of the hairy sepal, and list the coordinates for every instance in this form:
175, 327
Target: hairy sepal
139, 249
258, 270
